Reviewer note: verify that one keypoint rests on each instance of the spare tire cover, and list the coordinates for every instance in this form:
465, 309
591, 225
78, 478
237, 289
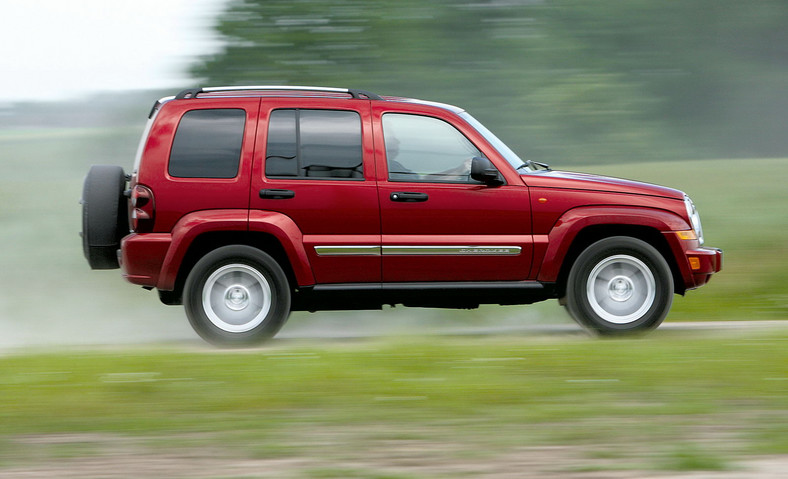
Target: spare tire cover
104, 215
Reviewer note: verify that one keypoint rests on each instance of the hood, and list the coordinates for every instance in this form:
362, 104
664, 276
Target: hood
584, 181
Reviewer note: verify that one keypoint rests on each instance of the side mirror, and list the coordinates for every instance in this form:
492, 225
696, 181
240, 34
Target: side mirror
483, 170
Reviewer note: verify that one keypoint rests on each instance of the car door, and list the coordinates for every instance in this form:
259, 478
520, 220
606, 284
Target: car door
315, 164
437, 223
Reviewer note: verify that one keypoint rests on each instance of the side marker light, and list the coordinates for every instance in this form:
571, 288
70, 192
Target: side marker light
694, 263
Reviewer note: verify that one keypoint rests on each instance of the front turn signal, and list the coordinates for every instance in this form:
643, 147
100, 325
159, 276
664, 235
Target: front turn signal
687, 235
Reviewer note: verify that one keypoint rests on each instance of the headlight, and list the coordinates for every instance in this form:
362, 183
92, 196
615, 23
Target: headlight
694, 217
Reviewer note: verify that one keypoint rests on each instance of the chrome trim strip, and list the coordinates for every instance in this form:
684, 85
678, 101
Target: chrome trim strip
425, 250
452, 250
357, 250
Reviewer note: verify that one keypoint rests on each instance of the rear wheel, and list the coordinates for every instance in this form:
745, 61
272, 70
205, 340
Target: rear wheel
619, 285
237, 295
104, 215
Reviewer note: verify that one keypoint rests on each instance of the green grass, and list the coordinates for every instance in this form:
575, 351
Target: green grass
344, 473
689, 457
693, 400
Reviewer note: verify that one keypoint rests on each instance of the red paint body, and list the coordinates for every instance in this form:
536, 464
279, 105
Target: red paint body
542, 213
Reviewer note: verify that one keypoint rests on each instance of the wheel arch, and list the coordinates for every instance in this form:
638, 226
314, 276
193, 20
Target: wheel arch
581, 227
210, 241
591, 234
198, 233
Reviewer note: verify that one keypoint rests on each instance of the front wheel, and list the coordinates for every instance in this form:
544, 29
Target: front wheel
619, 285
237, 295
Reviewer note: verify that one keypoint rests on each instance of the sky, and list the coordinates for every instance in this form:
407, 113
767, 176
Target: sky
56, 49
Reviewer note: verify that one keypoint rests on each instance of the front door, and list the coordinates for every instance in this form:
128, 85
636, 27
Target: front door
437, 223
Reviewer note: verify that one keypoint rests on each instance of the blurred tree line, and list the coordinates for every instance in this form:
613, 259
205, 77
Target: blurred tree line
562, 81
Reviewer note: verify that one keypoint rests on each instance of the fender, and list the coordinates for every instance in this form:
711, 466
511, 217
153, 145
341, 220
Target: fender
187, 229
553, 247
284, 229
195, 224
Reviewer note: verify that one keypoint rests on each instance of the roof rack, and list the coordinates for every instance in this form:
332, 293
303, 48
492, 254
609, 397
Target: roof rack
357, 94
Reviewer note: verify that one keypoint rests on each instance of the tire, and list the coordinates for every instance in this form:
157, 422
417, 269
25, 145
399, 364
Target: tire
236, 296
104, 215
619, 285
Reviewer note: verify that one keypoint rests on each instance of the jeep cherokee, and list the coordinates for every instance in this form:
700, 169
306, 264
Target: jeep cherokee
246, 203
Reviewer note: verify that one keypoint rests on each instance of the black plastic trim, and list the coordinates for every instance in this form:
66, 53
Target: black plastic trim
190, 92
409, 197
457, 294
153, 109
358, 94
276, 194
433, 286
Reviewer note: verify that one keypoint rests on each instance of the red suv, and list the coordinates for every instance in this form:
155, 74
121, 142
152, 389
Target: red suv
246, 203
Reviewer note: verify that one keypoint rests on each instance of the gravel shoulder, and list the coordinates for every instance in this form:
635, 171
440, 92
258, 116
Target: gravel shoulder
118, 457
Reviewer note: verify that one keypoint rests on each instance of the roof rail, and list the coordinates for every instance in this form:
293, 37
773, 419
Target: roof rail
357, 94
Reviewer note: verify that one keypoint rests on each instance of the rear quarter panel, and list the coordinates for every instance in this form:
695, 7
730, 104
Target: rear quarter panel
177, 197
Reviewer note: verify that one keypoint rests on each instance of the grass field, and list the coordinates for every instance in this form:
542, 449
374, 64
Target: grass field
391, 408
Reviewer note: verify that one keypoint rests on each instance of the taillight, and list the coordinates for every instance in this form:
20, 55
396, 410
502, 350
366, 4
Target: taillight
142, 209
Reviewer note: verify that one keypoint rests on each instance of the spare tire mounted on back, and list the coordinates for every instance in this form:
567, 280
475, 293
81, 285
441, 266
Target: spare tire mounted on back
104, 215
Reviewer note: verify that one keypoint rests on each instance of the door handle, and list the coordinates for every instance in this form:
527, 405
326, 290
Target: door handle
277, 194
409, 197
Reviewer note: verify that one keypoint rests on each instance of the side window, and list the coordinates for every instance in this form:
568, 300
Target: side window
207, 144
314, 144
421, 148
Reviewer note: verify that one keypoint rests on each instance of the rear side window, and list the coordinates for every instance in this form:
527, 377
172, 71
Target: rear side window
314, 144
207, 144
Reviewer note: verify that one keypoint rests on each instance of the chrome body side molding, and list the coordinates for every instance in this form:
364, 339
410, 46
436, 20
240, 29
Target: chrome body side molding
428, 250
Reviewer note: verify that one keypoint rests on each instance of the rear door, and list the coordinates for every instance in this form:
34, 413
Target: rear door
315, 164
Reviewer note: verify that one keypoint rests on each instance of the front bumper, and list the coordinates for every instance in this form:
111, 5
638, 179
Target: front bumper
703, 262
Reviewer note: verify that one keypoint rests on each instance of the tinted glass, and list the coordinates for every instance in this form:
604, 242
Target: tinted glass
330, 143
207, 144
314, 144
421, 148
282, 151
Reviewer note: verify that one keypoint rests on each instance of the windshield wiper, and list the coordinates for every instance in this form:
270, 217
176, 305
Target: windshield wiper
534, 165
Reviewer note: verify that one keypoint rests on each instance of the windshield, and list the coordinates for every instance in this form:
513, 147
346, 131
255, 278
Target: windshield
500, 146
